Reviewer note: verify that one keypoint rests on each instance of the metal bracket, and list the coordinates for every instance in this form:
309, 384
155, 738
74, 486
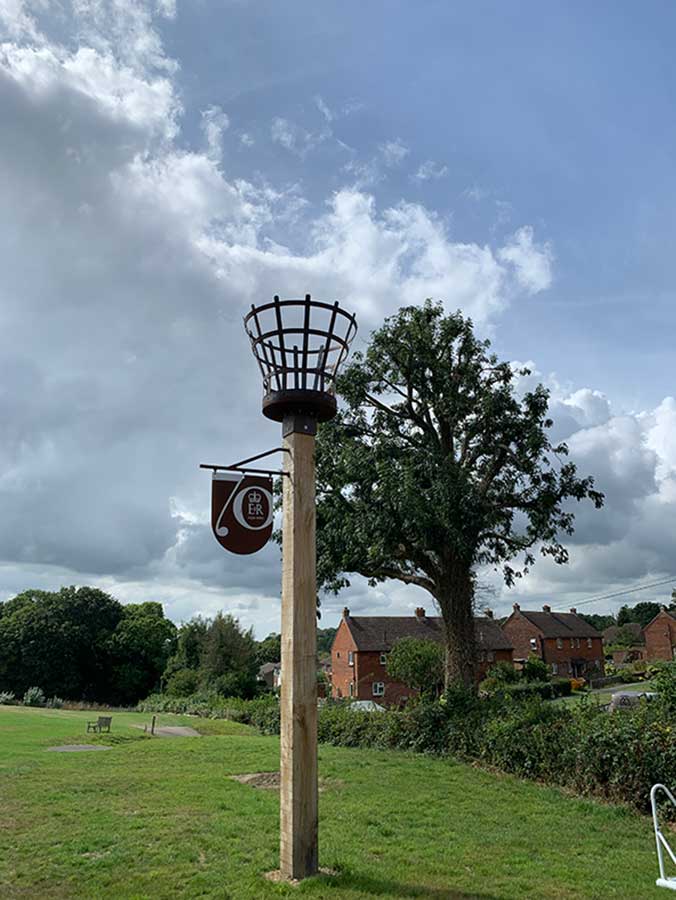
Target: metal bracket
241, 466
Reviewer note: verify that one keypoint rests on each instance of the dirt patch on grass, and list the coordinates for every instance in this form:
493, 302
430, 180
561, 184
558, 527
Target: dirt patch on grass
266, 781
269, 781
78, 748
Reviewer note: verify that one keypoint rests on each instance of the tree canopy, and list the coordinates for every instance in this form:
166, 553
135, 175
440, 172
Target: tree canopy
438, 465
80, 643
418, 664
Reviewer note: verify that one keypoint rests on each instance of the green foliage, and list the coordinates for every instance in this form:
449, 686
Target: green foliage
664, 682
261, 712
642, 613
418, 664
80, 643
503, 672
535, 669
182, 683
325, 638
34, 696
222, 657
438, 466
599, 622
269, 650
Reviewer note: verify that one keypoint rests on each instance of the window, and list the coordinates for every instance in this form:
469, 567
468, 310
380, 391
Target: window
383, 659
378, 688
351, 689
337, 655
572, 643
490, 656
555, 669
577, 643
350, 658
559, 643
589, 643
533, 644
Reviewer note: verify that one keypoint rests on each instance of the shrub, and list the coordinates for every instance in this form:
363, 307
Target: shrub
503, 672
664, 681
7, 698
54, 703
34, 696
182, 683
535, 669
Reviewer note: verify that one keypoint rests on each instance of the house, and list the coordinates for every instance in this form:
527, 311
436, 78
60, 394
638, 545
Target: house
660, 636
572, 647
271, 674
360, 648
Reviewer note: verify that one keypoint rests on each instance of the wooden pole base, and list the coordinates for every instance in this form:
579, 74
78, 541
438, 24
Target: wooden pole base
298, 765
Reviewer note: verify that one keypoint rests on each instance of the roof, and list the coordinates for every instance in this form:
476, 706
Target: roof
381, 633
560, 625
268, 667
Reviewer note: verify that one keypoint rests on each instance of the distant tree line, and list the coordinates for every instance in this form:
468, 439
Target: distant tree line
641, 613
79, 643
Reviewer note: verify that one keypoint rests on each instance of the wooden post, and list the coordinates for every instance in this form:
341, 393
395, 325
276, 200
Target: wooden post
298, 767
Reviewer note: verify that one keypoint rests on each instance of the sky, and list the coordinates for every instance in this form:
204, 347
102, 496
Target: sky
163, 166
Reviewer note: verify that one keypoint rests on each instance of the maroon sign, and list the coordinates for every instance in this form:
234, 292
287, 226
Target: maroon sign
241, 511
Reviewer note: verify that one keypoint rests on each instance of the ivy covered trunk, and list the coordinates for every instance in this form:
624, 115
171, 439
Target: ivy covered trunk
456, 602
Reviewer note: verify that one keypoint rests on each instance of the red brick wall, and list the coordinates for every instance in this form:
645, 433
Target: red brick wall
485, 661
660, 637
519, 631
369, 671
342, 673
563, 656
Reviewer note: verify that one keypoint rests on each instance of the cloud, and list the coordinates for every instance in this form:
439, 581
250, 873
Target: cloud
294, 138
430, 171
532, 263
214, 124
393, 153
128, 258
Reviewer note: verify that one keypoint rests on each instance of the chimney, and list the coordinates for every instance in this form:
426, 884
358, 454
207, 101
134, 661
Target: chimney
516, 607
573, 610
489, 613
546, 608
346, 612
420, 613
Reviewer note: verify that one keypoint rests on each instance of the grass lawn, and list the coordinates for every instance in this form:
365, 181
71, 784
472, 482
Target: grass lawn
158, 818
603, 696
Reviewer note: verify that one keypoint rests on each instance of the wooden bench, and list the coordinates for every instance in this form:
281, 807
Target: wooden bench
101, 724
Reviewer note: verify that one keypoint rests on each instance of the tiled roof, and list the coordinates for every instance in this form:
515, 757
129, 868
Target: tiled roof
381, 633
560, 625
611, 634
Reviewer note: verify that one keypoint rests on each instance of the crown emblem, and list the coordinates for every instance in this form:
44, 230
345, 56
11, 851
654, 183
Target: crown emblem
255, 496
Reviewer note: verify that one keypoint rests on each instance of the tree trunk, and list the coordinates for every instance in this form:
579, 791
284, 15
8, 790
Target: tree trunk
456, 602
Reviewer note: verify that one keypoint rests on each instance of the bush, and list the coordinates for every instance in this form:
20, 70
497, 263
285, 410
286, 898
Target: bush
7, 698
54, 703
34, 696
182, 683
535, 669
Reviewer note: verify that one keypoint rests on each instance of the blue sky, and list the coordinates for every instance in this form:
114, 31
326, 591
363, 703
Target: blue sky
165, 166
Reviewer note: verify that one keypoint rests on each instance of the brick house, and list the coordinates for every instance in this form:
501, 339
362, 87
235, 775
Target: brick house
360, 648
660, 636
572, 647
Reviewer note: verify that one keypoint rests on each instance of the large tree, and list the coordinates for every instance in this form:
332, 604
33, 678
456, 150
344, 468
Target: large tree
436, 466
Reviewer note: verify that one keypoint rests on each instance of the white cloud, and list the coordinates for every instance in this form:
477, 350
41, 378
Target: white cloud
296, 139
532, 263
394, 152
430, 171
214, 125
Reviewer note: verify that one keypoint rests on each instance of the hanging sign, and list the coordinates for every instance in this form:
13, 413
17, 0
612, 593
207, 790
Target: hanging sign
241, 511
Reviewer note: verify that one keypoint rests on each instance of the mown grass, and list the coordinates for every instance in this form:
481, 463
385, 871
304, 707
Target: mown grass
159, 818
